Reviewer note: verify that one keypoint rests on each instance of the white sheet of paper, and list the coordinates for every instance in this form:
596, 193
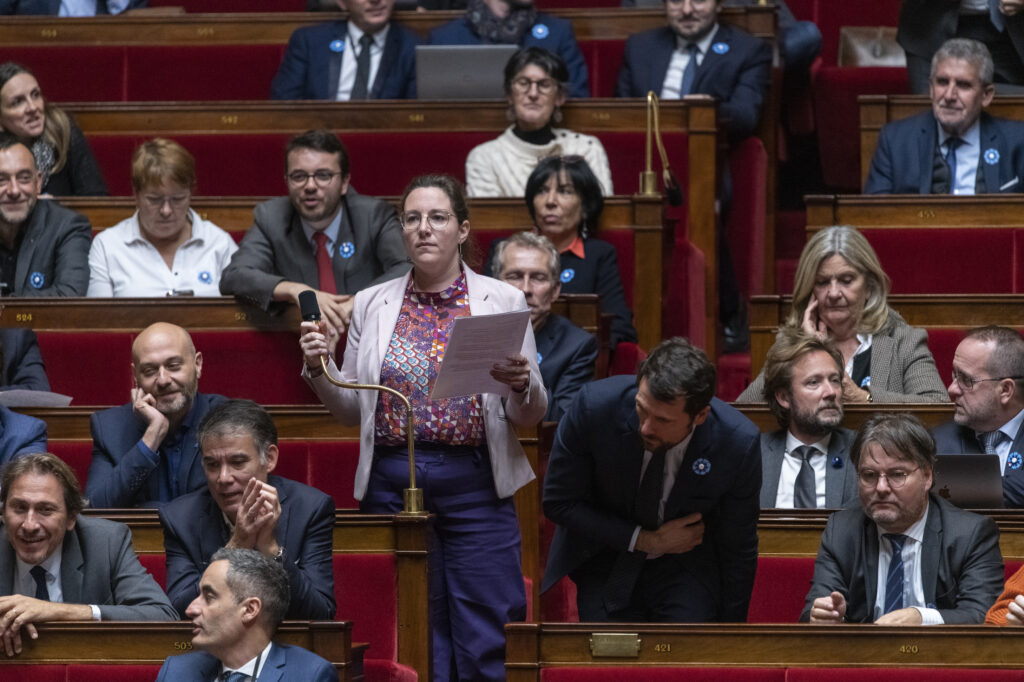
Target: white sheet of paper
475, 344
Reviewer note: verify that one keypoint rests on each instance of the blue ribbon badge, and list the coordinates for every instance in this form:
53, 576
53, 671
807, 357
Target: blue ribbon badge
1014, 461
347, 249
567, 275
37, 280
991, 156
337, 46
720, 48
205, 277
865, 382
701, 466
540, 358
540, 31
837, 462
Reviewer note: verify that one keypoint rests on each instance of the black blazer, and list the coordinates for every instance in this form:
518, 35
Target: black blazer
566, 355
594, 472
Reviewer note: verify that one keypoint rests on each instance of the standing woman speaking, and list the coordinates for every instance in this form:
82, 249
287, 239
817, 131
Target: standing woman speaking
468, 457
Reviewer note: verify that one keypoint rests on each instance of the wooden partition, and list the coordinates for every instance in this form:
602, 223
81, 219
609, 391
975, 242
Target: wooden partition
634, 647
854, 416
643, 217
903, 211
110, 643
877, 110
935, 311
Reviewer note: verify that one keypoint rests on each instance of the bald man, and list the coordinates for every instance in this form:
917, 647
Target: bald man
146, 452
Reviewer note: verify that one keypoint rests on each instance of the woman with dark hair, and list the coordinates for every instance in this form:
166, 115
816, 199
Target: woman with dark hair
468, 456
564, 200
535, 83
62, 155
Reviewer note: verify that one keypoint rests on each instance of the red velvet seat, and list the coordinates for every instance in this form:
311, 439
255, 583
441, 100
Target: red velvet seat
649, 674
94, 368
156, 565
77, 454
366, 587
780, 588
328, 466
603, 57
200, 72
97, 672
69, 74
902, 674
201, 6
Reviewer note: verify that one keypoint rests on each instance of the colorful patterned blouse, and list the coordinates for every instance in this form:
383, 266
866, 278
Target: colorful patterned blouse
410, 367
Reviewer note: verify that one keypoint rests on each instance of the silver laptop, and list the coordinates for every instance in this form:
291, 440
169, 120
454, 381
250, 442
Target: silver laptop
462, 71
969, 481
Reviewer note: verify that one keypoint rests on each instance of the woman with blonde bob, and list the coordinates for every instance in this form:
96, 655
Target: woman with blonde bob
841, 293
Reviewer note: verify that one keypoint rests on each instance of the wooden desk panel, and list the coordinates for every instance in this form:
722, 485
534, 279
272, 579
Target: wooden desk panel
534, 647
901, 211
854, 416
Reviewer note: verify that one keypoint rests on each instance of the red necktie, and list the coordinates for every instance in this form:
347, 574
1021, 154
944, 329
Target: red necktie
323, 264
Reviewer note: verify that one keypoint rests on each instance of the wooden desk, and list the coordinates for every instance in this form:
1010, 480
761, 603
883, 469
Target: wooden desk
854, 416
945, 311
150, 643
877, 110
901, 211
532, 647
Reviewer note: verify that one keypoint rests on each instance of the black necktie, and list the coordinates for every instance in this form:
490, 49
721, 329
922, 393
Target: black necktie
39, 575
229, 676
648, 495
362, 83
951, 145
805, 493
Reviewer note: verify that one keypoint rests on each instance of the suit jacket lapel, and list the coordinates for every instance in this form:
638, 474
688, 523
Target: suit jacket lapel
772, 457
387, 319
931, 547
927, 139
303, 251
682, 490
285, 518
273, 669
28, 245
988, 138
71, 568
870, 539
387, 60
662, 55
334, 61
834, 478
7, 565
710, 60
883, 356
213, 529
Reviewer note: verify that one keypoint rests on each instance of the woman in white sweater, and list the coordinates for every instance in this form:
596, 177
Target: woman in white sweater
535, 86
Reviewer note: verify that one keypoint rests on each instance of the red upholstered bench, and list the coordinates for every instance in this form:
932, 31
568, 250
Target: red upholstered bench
94, 368
200, 72
74, 74
780, 588
97, 672
902, 675
26, 672
77, 453
201, 6
366, 588
603, 57
156, 564
648, 674
329, 466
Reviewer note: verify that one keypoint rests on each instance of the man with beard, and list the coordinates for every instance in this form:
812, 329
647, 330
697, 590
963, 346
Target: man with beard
954, 147
806, 462
517, 22
324, 236
904, 556
695, 54
654, 486
146, 452
44, 248
988, 392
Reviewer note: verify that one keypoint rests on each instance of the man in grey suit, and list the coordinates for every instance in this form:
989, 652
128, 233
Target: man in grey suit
805, 464
323, 236
58, 565
988, 392
44, 248
905, 556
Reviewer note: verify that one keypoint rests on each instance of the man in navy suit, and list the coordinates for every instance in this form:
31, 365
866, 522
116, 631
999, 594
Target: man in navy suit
517, 22
988, 392
955, 148
243, 599
243, 506
566, 354
903, 556
145, 452
366, 57
806, 463
694, 54
654, 486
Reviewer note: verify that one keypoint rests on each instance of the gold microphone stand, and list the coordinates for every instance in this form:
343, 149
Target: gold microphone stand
648, 179
413, 496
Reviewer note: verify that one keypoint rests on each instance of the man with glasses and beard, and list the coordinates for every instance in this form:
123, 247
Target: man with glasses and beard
324, 236
988, 392
904, 556
146, 452
805, 464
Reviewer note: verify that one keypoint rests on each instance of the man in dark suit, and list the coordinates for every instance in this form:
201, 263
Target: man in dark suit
44, 248
323, 236
694, 54
243, 598
20, 434
327, 61
904, 556
955, 148
146, 452
988, 392
806, 463
517, 22
924, 25
20, 360
82, 8
566, 354
57, 565
654, 487
242, 506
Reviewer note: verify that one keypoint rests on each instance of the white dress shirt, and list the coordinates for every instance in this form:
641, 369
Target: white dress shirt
124, 263
249, 668
968, 153
680, 58
25, 584
87, 8
350, 55
791, 467
913, 584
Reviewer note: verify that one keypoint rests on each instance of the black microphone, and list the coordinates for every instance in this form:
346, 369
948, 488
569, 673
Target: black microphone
673, 191
308, 306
